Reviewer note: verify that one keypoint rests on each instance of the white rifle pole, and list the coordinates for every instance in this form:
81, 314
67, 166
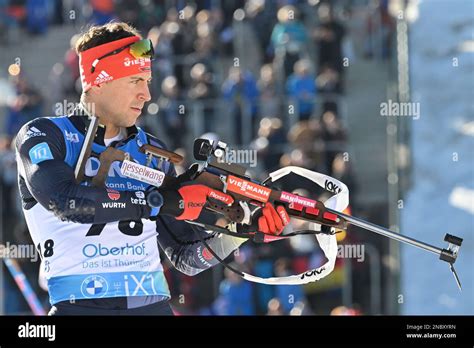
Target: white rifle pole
86, 146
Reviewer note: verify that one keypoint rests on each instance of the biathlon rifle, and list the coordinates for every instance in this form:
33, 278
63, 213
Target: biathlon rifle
232, 179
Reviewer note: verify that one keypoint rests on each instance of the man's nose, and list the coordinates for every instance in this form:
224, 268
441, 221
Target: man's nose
145, 93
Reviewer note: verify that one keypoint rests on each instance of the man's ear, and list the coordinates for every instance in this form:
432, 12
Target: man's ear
100, 87
92, 91
96, 90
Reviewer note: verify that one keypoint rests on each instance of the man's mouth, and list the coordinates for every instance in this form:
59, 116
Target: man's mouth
139, 110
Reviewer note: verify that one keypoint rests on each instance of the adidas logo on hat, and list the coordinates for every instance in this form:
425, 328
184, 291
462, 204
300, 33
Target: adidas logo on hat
103, 77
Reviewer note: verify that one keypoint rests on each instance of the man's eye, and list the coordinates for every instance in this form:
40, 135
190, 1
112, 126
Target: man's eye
135, 82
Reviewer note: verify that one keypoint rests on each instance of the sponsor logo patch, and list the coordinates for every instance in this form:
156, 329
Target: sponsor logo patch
140, 198
40, 153
215, 195
298, 200
283, 215
332, 187
72, 137
313, 272
113, 205
139, 61
248, 189
94, 286
34, 132
142, 173
113, 194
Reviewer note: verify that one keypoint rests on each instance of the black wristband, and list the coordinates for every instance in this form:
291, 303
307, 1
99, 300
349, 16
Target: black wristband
172, 202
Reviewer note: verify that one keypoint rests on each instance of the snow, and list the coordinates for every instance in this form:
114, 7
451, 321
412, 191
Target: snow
441, 199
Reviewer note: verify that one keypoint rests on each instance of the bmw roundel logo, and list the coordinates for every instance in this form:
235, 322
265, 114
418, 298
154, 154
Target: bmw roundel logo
94, 286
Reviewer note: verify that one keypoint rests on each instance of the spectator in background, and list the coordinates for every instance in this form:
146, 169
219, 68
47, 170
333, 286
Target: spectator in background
14, 230
141, 14
270, 143
161, 64
380, 27
37, 16
305, 137
262, 16
64, 81
301, 89
328, 81
334, 135
288, 40
329, 35
202, 90
103, 11
329, 86
71, 62
241, 93
170, 112
8, 184
342, 171
10, 17
227, 33
263, 266
182, 34
236, 295
275, 307
26, 106
203, 54
128, 11
270, 103
287, 295
208, 26
57, 15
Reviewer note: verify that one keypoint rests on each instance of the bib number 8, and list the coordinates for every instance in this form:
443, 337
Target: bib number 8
48, 248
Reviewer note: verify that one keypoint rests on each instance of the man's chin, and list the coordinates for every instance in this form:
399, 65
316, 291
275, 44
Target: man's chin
132, 122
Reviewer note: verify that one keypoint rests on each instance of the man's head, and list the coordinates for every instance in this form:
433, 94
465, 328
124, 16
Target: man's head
113, 79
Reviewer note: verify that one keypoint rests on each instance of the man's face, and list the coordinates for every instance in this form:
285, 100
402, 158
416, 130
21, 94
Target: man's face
121, 101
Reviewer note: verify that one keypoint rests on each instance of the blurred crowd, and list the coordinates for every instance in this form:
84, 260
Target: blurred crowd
267, 76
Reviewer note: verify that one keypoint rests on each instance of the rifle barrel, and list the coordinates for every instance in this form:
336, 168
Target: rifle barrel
387, 233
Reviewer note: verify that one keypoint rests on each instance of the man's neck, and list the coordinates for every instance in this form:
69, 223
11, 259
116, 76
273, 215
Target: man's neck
110, 129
